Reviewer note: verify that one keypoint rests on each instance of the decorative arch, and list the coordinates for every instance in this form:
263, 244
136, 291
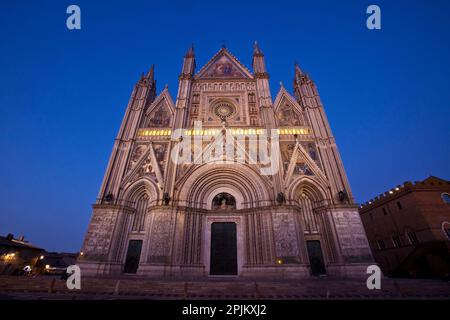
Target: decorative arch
235, 193
140, 195
308, 185
242, 182
309, 194
141, 187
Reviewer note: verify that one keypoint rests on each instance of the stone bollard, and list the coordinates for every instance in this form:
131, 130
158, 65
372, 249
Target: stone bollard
185, 290
116, 288
256, 291
398, 289
52, 286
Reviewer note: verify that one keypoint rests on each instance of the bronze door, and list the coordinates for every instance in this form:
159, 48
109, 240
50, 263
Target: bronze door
133, 256
316, 258
223, 249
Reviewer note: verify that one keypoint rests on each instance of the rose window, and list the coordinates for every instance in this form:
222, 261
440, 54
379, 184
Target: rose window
224, 110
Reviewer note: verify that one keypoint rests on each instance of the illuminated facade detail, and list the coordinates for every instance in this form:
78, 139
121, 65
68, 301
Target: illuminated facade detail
149, 132
161, 218
212, 132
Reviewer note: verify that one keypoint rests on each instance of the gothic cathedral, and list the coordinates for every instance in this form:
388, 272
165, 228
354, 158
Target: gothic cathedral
225, 181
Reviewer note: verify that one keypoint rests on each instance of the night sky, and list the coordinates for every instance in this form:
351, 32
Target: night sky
63, 93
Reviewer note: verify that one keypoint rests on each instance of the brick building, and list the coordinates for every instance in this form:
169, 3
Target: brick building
408, 229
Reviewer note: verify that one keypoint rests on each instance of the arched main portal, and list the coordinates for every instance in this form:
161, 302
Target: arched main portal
247, 187
219, 196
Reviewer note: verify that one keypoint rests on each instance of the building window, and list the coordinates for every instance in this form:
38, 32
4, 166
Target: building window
447, 231
446, 228
396, 241
381, 245
224, 109
384, 211
446, 198
399, 205
413, 238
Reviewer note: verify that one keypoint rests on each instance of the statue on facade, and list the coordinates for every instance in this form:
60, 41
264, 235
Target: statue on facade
343, 196
281, 198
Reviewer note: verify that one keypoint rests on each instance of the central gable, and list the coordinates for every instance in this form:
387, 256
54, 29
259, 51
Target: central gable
222, 66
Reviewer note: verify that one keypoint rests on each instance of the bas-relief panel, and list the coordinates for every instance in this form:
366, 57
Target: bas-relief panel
98, 238
147, 169
352, 238
160, 154
285, 235
137, 152
160, 237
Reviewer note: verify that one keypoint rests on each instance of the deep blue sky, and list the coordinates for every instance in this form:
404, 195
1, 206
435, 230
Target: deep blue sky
63, 93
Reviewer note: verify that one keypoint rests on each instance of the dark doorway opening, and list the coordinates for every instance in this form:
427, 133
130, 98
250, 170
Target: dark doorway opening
223, 249
316, 258
133, 256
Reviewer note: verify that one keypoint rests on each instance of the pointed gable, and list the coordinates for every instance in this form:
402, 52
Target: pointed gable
287, 110
223, 65
160, 112
147, 161
301, 164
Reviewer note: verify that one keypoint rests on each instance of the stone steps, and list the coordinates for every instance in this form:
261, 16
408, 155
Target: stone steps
313, 289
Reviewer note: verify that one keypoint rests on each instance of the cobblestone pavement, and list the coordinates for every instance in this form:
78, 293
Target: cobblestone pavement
47, 287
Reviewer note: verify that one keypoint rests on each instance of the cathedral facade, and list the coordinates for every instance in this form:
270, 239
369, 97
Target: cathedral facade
225, 181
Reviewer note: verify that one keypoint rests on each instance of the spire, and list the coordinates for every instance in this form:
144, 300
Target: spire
300, 79
190, 52
256, 50
151, 73
297, 69
259, 65
299, 74
262, 77
188, 64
